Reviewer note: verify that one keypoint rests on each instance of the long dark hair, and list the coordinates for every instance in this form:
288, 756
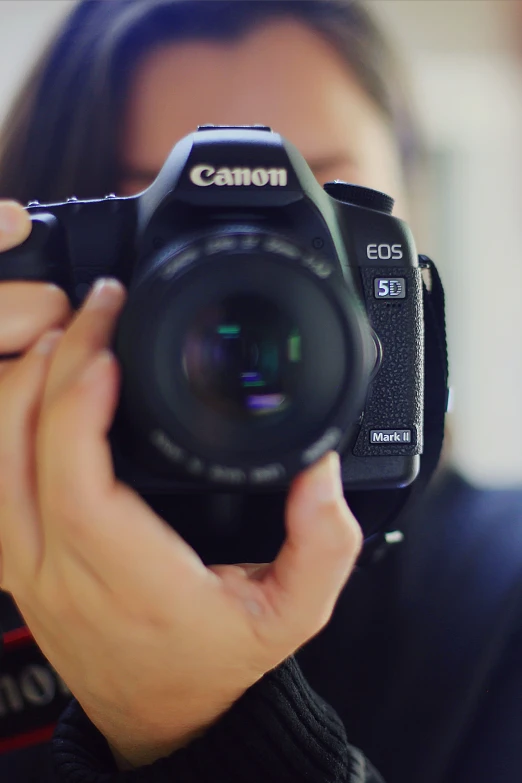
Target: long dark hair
62, 134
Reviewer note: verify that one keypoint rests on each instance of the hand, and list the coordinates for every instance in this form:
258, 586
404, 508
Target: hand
154, 645
27, 310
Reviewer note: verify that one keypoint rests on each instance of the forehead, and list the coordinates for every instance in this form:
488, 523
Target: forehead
282, 74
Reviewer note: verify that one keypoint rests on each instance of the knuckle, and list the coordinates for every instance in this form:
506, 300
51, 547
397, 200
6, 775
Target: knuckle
354, 534
341, 534
317, 620
326, 614
303, 628
309, 625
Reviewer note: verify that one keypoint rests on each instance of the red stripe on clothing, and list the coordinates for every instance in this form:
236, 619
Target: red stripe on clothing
26, 740
17, 638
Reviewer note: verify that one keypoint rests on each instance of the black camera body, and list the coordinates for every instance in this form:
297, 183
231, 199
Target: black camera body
268, 320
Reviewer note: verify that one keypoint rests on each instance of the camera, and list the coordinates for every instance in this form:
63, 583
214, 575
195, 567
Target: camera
268, 319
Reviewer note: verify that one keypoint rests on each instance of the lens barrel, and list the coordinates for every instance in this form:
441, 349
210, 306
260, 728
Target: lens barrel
242, 357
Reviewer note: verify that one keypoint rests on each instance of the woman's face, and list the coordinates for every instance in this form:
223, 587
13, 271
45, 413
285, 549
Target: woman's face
284, 75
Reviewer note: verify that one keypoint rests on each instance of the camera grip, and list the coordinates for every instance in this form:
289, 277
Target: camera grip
42, 257
396, 396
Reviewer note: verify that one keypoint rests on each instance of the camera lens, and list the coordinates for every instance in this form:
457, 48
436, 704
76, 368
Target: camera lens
242, 357
235, 353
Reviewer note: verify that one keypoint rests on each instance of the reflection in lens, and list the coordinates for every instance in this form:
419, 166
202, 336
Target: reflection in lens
265, 402
242, 357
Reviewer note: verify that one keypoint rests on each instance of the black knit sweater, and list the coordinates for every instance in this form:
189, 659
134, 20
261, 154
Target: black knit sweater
280, 730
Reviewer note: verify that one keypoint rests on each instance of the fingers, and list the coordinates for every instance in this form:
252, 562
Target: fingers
15, 225
27, 310
322, 543
83, 508
20, 395
78, 406
72, 450
92, 523
90, 332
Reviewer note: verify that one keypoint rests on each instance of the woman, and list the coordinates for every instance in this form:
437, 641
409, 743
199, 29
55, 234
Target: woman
212, 692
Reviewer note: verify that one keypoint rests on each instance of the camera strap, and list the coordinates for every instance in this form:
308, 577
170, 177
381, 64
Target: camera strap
32, 697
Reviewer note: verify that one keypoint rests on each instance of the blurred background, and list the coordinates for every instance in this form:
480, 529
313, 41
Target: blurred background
465, 60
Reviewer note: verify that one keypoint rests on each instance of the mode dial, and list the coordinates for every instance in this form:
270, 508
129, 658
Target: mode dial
361, 197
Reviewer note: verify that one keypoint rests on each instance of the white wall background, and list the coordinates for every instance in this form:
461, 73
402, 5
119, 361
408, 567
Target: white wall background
468, 84
467, 79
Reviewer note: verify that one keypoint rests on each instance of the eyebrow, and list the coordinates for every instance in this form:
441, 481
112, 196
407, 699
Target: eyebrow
316, 164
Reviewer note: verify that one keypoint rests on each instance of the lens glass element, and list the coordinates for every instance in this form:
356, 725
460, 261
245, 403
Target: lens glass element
242, 357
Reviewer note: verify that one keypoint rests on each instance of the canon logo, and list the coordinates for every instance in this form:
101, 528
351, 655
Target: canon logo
204, 174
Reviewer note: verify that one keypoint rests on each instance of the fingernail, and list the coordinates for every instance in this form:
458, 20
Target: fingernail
106, 293
96, 367
48, 342
54, 287
325, 477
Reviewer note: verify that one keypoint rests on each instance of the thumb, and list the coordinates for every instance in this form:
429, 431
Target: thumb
15, 225
322, 543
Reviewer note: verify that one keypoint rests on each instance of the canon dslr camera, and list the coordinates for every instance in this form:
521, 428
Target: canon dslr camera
268, 320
